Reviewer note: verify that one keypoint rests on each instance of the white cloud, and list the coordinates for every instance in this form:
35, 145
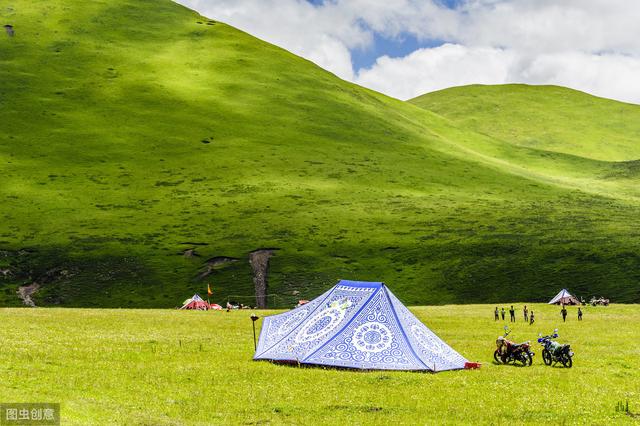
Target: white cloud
591, 45
552, 26
427, 70
609, 75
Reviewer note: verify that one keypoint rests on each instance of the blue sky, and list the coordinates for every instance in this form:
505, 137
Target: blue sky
395, 47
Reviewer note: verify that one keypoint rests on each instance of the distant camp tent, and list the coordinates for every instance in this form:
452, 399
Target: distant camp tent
564, 298
195, 303
355, 325
215, 307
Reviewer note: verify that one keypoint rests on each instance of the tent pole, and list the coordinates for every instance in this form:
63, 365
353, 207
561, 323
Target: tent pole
254, 318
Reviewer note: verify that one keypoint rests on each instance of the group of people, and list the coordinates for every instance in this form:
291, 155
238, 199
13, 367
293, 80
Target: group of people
563, 312
234, 305
529, 316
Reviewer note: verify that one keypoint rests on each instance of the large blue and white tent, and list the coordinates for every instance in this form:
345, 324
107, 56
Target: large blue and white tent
355, 325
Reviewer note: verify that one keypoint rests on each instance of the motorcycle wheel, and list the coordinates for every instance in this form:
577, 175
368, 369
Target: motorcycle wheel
566, 360
526, 359
546, 357
496, 356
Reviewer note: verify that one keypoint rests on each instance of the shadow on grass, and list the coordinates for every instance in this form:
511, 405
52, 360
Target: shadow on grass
511, 364
294, 364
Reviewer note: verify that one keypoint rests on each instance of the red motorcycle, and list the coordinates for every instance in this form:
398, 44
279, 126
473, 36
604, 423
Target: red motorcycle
508, 352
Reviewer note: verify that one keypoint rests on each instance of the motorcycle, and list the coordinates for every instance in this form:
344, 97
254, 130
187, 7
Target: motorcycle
555, 352
510, 352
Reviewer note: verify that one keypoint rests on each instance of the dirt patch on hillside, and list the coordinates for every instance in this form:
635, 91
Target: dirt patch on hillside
212, 263
190, 252
26, 291
259, 260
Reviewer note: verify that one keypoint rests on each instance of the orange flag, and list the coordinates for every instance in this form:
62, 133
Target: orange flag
209, 292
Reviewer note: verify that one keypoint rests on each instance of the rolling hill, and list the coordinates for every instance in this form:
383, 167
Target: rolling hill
549, 118
146, 150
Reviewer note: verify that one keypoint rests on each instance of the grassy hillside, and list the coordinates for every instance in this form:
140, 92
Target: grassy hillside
162, 367
558, 134
133, 131
549, 118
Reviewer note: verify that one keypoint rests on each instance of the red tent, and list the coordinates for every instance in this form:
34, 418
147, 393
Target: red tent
195, 303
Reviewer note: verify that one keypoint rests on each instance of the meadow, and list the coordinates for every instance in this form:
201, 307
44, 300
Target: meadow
168, 367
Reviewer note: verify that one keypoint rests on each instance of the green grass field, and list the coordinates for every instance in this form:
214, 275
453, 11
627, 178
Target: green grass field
130, 130
166, 367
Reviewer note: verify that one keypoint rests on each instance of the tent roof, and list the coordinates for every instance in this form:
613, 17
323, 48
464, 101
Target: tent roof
563, 295
194, 301
355, 324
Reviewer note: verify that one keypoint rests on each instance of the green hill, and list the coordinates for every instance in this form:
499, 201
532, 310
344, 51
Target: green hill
549, 118
557, 134
133, 133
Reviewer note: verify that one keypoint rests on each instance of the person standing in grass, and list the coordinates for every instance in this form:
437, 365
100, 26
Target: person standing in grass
512, 314
531, 318
496, 315
579, 314
564, 314
502, 313
526, 314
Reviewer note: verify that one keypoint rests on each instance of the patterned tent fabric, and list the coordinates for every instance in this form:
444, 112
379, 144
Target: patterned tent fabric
355, 325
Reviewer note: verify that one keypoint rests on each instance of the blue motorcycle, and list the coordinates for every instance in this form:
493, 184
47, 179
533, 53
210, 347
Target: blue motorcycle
555, 352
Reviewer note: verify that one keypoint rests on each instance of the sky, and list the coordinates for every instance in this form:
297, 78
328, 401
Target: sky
405, 48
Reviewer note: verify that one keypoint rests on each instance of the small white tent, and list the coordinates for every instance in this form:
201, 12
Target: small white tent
564, 298
356, 325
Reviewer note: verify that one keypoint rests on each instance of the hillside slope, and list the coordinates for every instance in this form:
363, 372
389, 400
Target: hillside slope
560, 135
142, 145
548, 118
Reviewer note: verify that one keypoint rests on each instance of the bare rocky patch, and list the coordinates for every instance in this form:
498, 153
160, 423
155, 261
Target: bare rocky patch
212, 263
26, 291
190, 252
21, 267
259, 260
